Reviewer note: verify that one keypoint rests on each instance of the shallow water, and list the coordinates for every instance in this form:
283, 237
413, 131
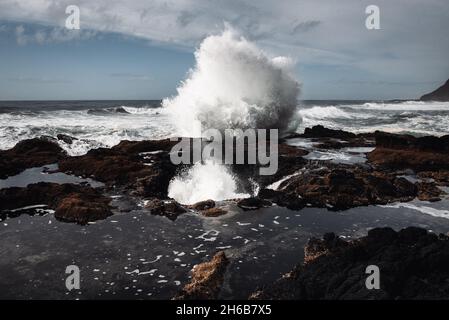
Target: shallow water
45, 174
138, 255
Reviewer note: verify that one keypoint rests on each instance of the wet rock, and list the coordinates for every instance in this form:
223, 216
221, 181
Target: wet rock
207, 279
413, 265
343, 187
321, 132
283, 199
253, 203
80, 209
213, 212
166, 208
72, 203
429, 191
67, 139
318, 247
203, 205
441, 177
395, 152
142, 167
27, 154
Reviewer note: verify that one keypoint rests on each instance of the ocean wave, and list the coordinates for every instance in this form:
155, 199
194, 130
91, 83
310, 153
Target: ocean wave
91, 131
318, 112
407, 106
144, 110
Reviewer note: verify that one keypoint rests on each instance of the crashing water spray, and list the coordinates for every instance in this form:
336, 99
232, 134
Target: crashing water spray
235, 85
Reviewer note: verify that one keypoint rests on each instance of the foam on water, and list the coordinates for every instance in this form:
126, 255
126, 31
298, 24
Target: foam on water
423, 209
413, 117
204, 181
92, 130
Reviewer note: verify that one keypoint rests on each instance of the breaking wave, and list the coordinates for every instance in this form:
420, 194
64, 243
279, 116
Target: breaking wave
234, 85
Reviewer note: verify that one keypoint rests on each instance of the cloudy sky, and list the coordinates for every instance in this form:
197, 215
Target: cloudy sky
138, 49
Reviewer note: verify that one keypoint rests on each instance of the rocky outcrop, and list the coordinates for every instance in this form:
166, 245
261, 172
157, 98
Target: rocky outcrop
320, 131
27, 154
65, 138
253, 203
341, 187
72, 203
395, 152
207, 279
144, 167
413, 264
166, 208
440, 94
207, 208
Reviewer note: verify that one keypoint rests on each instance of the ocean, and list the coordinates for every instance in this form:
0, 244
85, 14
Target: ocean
105, 123
134, 254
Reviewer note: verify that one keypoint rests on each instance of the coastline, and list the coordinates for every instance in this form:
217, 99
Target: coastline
136, 175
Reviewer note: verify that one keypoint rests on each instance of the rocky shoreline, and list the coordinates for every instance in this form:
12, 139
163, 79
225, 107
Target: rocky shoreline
413, 264
397, 168
142, 169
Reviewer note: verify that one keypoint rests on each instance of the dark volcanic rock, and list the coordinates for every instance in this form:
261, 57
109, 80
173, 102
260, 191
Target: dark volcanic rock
213, 212
407, 152
413, 264
344, 187
67, 139
207, 208
167, 208
253, 203
440, 94
142, 166
337, 139
203, 205
321, 132
27, 154
207, 279
429, 191
441, 176
72, 203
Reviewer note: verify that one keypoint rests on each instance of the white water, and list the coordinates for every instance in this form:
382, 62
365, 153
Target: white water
91, 130
204, 181
233, 85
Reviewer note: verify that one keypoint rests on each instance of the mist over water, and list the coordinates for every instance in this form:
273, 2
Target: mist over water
234, 85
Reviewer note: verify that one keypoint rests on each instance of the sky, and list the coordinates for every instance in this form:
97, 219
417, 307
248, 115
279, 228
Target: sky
140, 49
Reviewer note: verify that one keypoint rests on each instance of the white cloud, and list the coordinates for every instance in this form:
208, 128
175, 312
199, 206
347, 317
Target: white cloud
325, 32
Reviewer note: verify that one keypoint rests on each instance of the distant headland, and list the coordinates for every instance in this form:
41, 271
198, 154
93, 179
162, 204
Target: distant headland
440, 94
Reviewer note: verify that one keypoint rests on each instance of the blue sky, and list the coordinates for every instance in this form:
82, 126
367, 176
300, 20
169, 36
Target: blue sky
143, 49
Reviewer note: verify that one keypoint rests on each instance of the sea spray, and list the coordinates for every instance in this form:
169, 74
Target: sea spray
204, 181
234, 84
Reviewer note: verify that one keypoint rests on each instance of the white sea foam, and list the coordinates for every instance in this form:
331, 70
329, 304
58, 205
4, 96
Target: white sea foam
407, 106
320, 113
423, 209
204, 181
91, 130
234, 84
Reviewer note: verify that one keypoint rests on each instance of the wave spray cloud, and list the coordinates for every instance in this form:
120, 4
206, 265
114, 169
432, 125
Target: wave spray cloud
235, 85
